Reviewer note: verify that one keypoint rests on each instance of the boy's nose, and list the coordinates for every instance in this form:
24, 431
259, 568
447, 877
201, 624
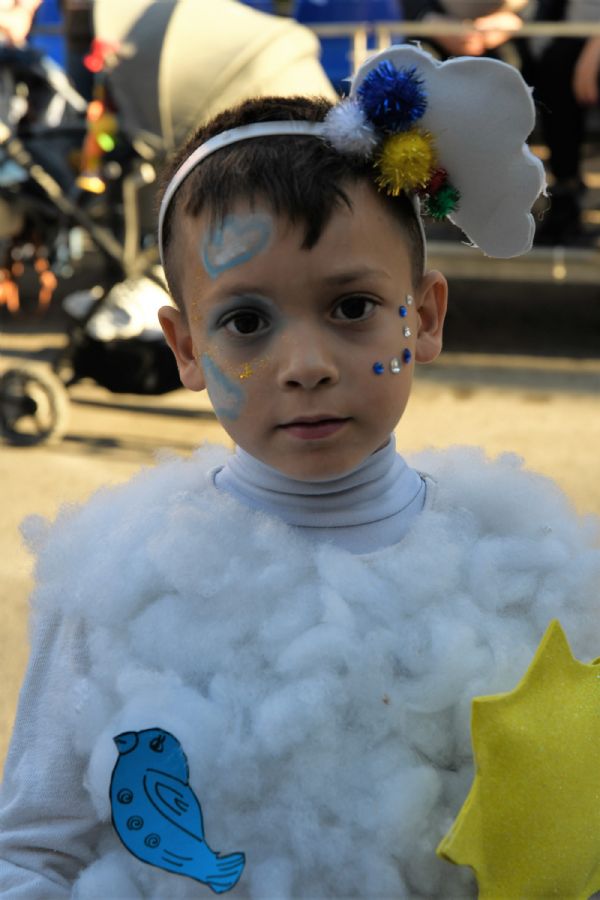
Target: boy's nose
306, 361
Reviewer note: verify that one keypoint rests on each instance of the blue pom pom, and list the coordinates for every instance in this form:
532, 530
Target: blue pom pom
393, 99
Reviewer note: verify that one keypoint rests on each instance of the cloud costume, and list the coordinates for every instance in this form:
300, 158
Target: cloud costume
322, 697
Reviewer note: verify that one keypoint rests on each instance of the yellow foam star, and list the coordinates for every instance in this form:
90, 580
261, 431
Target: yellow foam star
530, 826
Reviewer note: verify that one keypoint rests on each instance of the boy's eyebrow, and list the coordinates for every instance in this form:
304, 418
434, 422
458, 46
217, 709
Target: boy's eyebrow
346, 276
350, 275
237, 292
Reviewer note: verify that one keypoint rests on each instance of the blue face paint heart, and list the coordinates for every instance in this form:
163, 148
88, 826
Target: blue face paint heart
236, 241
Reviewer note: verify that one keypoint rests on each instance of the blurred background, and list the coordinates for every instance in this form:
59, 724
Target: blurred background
94, 96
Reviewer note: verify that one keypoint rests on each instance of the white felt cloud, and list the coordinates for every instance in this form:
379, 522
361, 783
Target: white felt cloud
480, 112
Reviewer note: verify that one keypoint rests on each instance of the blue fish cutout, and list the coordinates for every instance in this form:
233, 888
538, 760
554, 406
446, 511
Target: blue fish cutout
157, 815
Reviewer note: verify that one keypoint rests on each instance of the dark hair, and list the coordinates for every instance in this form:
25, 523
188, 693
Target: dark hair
301, 177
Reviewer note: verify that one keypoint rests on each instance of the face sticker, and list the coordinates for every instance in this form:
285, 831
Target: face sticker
226, 396
236, 241
157, 815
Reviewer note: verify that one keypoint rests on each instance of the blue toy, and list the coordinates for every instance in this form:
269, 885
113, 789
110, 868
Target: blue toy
156, 814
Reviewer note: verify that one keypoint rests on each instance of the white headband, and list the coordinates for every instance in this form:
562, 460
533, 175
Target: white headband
224, 139
468, 118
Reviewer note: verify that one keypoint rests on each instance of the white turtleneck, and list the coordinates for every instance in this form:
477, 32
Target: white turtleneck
369, 508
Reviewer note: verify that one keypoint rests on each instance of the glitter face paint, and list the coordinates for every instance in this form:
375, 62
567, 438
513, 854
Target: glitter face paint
226, 396
240, 238
249, 369
196, 315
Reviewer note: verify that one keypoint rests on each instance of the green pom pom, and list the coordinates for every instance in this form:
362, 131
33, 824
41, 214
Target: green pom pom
443, 202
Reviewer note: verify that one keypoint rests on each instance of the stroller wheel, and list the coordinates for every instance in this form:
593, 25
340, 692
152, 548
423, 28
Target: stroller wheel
34, 406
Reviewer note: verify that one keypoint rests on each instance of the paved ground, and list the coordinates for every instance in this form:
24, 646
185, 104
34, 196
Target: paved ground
544, 408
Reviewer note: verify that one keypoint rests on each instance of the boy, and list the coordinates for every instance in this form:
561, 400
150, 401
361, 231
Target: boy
283, 643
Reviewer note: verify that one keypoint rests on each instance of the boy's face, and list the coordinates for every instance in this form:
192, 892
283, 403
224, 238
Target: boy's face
296, 346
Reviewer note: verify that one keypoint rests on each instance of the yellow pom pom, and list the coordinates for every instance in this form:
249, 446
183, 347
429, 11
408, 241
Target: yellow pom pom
406, 161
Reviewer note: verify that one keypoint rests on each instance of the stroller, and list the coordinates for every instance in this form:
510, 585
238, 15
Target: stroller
46, 219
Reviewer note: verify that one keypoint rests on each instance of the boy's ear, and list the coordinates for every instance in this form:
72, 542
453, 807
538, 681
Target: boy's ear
431, 302
177, 333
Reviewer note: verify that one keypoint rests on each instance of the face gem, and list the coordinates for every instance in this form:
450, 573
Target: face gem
403, 312
395, 365
378, 368
407, 355
409, 300
407, 332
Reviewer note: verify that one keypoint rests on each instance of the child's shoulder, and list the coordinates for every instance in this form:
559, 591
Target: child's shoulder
509, 540
500, 495
149, 489
112, 536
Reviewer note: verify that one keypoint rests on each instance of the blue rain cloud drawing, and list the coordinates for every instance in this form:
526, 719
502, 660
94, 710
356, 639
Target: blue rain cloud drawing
158, 817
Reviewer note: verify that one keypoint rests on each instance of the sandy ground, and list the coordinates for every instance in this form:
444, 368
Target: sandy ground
546, 410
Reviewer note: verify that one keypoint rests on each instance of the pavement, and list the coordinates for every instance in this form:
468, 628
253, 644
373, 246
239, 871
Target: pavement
540, 404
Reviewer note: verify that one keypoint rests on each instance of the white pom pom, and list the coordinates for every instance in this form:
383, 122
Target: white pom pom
348, 129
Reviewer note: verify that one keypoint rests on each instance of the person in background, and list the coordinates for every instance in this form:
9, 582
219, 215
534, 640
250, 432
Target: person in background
494, 22
566, 74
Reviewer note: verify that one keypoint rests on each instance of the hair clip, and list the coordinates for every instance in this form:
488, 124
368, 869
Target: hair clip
453, 133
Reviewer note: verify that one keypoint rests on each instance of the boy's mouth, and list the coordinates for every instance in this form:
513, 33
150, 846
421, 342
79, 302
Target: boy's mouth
314, 427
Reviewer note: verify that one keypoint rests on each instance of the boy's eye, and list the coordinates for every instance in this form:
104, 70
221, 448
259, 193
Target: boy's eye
354, 308
245, 322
